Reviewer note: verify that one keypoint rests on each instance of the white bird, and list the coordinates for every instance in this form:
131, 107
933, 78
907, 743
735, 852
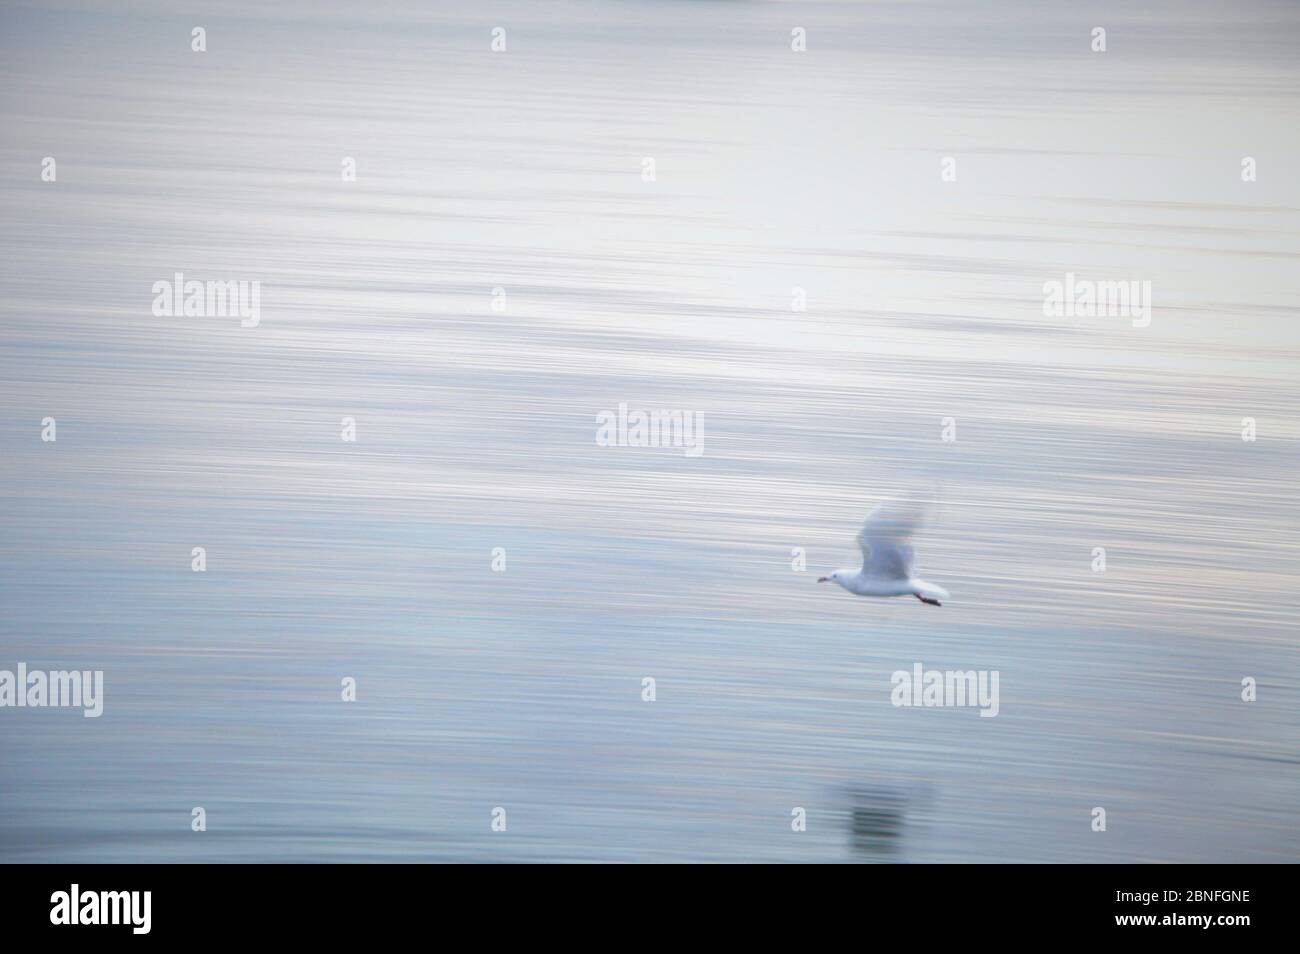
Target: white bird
887, 557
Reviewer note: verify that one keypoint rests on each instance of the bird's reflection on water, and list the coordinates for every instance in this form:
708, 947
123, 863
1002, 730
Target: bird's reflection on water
880, 817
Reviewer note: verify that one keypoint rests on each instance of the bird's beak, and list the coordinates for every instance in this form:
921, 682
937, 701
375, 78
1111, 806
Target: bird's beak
822, 579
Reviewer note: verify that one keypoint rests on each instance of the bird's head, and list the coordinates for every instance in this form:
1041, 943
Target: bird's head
833, 578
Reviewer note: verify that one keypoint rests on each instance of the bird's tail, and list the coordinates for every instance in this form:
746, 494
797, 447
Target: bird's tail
929, 590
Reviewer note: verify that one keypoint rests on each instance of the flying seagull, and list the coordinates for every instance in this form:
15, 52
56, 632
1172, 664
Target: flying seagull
886, 545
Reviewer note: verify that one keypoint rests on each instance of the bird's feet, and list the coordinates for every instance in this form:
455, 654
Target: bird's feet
924, 599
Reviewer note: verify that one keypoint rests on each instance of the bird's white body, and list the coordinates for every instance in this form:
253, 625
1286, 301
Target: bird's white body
863, 584
887, 558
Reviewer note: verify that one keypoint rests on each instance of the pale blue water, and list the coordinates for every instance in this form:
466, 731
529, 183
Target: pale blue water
522, 689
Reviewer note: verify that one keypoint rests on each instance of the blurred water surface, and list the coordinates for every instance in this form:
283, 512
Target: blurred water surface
775, 170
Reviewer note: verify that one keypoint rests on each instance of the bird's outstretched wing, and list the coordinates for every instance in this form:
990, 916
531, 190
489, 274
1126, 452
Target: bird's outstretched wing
885, 540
